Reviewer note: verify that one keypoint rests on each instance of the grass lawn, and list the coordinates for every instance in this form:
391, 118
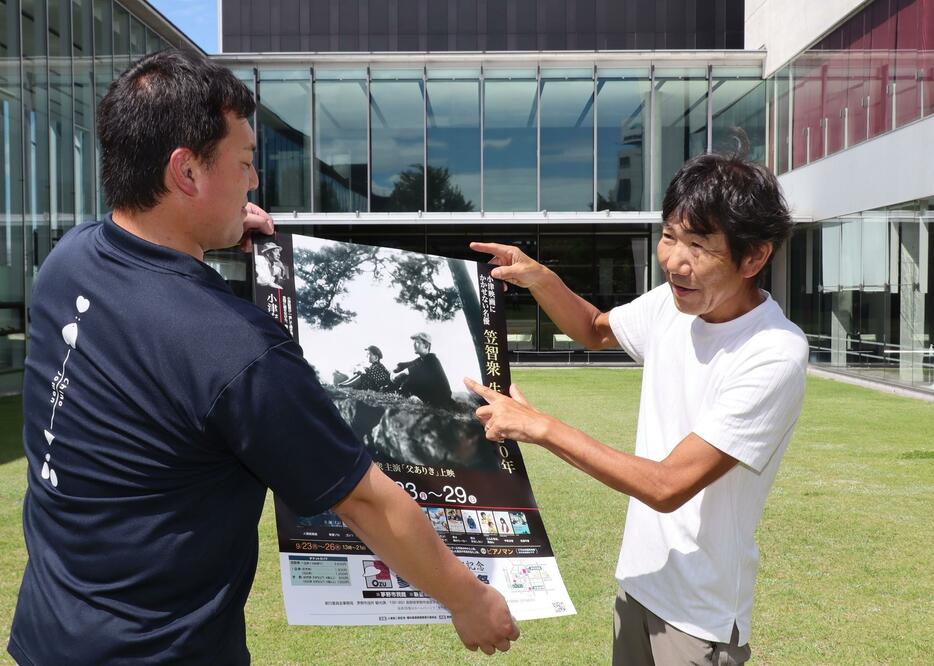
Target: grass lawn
847, 539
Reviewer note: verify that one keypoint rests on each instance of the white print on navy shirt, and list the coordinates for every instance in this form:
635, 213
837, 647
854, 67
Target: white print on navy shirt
60, 383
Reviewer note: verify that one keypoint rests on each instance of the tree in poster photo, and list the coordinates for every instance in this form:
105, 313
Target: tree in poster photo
326, 273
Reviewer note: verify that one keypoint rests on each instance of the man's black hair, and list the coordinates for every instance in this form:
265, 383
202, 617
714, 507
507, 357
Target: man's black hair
728, 193
164, 101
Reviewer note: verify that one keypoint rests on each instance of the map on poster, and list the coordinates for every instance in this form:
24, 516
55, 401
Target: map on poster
390, 335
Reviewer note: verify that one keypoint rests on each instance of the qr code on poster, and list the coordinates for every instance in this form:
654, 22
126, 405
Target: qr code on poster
558, 606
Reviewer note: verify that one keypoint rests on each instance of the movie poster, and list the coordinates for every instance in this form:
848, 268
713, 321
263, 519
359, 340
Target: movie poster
391, 334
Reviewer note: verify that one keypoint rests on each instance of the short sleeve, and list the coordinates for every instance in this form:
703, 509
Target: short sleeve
631, 323
279, 422
755, 410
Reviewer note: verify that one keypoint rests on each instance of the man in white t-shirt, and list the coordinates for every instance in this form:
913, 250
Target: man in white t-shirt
722, 388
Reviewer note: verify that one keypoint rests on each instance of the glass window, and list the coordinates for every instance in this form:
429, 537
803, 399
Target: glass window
857, 40
681, 122
153, 41
12, 291
103, 73
83, 66
782, 120
738, 112
121, 43
835, 96
908, 56
454, 145
510, 144
284, 140
341, 144
397, 118
566, 143
808, 144
137, 38
36, 133
881, 66
622, 105
61, 120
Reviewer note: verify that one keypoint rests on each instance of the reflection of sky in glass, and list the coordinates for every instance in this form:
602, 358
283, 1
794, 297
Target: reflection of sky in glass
454, 134
389, 325
739, 104
509, 145
621, 107
340, 140
288, 100
682, 125
397, 115
567, 145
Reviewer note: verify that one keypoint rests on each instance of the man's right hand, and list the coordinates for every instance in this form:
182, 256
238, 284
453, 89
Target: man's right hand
513, 265
483, 621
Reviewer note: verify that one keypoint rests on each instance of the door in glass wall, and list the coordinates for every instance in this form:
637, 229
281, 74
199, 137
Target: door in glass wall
397, 119
284, 140
679, 122
510, 141
567, 171
340, 115
621, 154
453, 141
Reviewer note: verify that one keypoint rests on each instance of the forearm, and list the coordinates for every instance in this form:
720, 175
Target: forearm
644, 479
572, 314
395, 528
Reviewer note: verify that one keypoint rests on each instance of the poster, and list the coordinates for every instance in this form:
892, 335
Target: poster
390, 335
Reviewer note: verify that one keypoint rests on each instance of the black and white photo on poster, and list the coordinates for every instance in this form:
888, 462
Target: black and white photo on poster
391, 335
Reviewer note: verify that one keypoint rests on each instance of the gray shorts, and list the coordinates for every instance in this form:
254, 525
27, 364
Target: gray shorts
641, 638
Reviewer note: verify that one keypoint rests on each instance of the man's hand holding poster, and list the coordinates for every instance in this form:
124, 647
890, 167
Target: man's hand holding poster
391, 335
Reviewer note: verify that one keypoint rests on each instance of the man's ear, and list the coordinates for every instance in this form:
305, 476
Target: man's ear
181, 172
756, 259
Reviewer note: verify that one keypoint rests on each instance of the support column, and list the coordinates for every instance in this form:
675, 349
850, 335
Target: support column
840, 325
911, 304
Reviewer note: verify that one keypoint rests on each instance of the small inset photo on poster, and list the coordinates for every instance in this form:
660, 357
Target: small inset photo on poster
376, 574
436, 515
520, 524
471, 521
503, 523
487, 525
455, 522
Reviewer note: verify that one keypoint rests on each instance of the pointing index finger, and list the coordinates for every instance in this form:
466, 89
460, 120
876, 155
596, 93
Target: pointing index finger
484, 392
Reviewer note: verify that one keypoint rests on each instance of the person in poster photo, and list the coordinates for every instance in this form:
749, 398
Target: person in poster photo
471, 521
487, 526
168, 393
423, 376
722, 388
503, 524
373, 376
455, 523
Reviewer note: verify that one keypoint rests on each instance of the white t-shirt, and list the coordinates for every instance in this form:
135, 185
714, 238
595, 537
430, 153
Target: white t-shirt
738, 385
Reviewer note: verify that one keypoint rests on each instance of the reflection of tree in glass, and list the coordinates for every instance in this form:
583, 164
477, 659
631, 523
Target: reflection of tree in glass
326, 274
408, 192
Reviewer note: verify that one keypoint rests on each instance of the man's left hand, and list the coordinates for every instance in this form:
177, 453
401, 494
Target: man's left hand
509, 417
256, 220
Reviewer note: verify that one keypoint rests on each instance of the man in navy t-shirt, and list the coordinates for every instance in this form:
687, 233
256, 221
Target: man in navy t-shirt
155, 415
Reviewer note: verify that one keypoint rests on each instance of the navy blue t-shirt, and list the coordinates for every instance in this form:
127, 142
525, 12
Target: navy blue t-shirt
158, 407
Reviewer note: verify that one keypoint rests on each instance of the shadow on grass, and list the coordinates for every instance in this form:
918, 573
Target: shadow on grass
11, 429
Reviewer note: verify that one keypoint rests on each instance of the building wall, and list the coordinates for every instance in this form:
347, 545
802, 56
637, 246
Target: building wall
784, 28
478, 25
57, 58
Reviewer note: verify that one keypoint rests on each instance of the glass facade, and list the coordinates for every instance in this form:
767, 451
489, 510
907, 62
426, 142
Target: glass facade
494, 137
871, 75
862, 289
57, 58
